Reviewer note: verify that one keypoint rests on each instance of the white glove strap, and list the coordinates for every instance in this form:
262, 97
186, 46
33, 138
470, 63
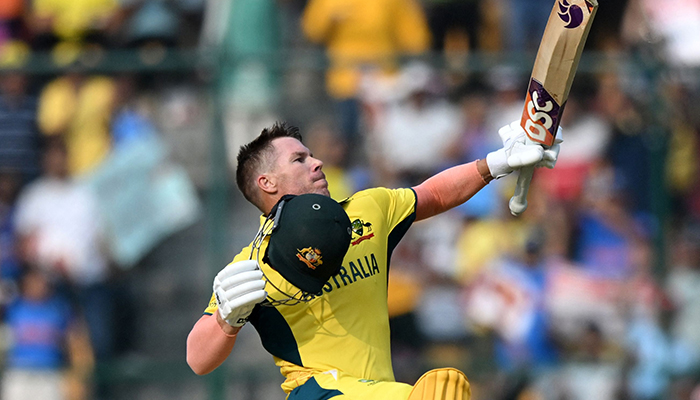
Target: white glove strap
497, 162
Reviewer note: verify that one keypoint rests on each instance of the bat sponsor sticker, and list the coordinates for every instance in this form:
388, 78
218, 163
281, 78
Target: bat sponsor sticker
541, 114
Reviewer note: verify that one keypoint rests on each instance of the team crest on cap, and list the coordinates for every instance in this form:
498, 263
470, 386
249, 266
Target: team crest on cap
310, 256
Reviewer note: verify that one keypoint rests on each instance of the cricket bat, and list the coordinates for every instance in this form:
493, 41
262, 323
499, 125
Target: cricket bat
555, 66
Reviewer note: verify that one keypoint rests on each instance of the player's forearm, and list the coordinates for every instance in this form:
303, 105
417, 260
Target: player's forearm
450, 188
209, 343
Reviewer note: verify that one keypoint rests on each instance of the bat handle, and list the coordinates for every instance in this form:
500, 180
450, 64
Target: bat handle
518, 203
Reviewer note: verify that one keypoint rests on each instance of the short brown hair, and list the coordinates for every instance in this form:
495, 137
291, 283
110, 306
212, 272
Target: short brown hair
252, 157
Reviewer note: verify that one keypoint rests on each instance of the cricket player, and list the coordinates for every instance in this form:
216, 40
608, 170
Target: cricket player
318, 297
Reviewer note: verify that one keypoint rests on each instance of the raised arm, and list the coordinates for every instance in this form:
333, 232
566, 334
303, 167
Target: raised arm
450, 188
458, 184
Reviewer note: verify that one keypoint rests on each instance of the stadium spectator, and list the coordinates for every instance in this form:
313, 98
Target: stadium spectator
78, 108
510, 300
19, 153
656, 356
607, 36
251, 87
454, 24
474, 99
50, 356
52, 22
683, 287
130, 122
671, 29
59, 232
594, 368
530, 344
627, 150
19, 136
362, 36
508, 85
608, 235
151, 22
419, 117
650, 349
9, 262
523, 23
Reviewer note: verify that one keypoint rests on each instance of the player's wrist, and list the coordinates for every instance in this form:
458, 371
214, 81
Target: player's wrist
497, 164
229, 331
483, 168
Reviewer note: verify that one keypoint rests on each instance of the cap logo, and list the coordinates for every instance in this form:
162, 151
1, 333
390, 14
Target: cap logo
310, 256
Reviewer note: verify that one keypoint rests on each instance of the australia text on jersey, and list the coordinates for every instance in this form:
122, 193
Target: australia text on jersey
356, 270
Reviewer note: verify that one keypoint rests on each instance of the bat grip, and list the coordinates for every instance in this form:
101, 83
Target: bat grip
518, 203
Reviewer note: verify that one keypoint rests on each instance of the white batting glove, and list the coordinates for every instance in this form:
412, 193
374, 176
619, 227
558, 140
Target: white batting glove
551, 155
238, 288
518, 152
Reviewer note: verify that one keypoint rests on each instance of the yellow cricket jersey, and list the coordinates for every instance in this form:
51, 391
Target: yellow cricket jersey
347, 327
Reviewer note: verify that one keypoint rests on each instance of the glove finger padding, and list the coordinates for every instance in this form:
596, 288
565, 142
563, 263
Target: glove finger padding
549, 160
522, 155
241, 307
236, 268
236, 311
248, 300
517, 151
238, 288
551, 155
510, 132
238, 279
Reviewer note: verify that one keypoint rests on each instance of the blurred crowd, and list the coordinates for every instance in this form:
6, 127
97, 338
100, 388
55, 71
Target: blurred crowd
594, 292
78, 149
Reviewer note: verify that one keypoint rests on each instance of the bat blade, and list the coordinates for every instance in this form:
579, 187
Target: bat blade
552, 75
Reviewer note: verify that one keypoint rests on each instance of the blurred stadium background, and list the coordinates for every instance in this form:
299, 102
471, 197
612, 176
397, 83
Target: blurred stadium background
119, 126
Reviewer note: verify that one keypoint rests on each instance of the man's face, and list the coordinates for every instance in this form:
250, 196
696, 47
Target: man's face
296, 171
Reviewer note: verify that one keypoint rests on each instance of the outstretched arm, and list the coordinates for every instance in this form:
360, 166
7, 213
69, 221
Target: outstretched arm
450, 188
456, 185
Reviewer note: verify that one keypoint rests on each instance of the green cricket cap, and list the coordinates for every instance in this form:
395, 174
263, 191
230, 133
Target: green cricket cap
310, 237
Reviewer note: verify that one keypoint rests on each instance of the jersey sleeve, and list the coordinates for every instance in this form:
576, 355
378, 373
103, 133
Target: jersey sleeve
211, 308
399, 205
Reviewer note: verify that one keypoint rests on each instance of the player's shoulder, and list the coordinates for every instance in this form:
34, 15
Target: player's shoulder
380, 196
372, 193
244, 254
